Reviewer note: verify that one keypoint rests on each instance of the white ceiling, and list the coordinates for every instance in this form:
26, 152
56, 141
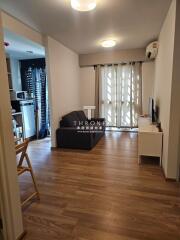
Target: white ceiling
133, 23
18, 47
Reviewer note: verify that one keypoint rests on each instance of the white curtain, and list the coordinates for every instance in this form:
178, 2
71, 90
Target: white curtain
120, 94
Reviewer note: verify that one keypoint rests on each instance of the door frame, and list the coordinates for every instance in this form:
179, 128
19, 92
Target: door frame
9, 187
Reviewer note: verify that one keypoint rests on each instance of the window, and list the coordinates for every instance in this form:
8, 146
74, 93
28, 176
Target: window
120, 94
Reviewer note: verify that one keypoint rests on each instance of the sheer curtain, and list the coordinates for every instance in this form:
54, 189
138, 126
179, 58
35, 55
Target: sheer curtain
107, 94
120, 94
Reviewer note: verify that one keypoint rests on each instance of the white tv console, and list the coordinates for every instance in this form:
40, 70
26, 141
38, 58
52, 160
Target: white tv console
150, 140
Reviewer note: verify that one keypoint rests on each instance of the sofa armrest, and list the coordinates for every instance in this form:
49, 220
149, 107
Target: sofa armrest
99, 122
98, 119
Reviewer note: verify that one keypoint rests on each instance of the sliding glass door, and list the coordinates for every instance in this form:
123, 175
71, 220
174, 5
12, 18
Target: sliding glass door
120, 94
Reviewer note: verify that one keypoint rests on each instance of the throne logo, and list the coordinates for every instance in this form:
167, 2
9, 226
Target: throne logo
92, 125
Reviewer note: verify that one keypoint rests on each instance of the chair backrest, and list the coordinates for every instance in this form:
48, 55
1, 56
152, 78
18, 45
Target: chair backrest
22, 147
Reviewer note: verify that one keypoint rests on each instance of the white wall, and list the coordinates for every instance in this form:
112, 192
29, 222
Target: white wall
16, 26
114, 56
87, 86
174, 128
163, 82
64, 82
148, 74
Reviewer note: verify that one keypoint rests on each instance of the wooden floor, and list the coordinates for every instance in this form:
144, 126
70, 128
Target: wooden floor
101, 194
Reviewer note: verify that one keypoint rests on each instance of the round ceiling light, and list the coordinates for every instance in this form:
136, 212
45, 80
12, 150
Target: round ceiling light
108, 43
83, 5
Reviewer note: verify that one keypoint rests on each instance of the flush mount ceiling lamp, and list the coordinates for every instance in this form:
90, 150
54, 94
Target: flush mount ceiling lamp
108, 43
83, 5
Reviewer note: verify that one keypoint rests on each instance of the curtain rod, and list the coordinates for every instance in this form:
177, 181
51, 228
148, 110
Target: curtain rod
116, 64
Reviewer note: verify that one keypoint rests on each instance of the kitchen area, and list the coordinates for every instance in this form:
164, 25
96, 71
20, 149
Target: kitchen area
23, 114
23, 117
28, 87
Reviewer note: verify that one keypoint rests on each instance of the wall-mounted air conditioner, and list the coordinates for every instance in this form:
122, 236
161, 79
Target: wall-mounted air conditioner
152, 50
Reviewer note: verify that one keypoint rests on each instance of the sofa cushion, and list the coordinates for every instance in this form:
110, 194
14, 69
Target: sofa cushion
81, 115
70, 119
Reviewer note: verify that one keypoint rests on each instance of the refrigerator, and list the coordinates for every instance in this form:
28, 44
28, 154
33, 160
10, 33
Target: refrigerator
27, 109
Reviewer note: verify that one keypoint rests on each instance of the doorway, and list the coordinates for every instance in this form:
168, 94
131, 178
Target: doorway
28, 86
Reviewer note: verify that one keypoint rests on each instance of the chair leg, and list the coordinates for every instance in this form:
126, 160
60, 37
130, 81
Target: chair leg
21, 159
32, 174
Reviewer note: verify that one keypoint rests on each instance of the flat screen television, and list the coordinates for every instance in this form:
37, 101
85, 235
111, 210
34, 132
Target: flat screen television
151, 109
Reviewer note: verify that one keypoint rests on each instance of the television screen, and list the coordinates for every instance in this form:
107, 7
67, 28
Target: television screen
151, 109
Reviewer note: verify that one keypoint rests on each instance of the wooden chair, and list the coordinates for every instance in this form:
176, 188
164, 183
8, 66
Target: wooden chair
21, 149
